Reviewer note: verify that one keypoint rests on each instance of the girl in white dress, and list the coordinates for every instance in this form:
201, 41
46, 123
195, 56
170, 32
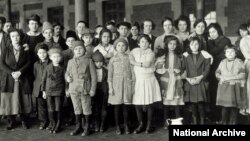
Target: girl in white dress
147, 90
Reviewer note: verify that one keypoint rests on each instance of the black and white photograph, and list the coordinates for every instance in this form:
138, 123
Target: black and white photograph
124, 70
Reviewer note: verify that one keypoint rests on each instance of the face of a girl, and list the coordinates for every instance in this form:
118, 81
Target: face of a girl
79, 51
98, 30
7, 26
48, 34
243, 33
182, 26
42, 54
134, 31
172, 45
194, 46
200, 28
15, 37
213, 33
87, 39
33, 26
147, 28
105, 38
144, 44
69, 42
230, 54
55, 58
123, 31
167, 26
98, 65
120, 47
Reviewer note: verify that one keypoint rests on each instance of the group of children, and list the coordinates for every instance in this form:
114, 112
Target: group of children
111, 73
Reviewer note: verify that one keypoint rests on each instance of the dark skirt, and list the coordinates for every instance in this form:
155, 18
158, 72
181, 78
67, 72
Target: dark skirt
15, 103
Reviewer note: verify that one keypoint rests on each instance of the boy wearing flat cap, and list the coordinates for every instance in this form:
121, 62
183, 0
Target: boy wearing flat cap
81, 76
100, 99
87, 38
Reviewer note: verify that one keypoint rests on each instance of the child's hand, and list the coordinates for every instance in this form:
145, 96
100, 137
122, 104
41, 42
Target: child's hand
91, 93
163, 93
69, 79
177, 70
67, 94
26, 47
44, 95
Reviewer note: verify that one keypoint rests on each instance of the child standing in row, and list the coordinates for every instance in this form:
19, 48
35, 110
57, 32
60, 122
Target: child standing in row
100, 100
53, 88
197, 68
87, 38
146, 89
231, 93
120, 87
81, 76
39, 67
169, 68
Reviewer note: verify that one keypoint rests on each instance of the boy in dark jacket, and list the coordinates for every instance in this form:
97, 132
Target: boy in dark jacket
100, 99
53, 88
39, 67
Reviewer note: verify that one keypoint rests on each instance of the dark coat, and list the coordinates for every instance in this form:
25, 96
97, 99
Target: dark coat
199, 92
38, 71
8, 65
104, 83
62, 43
53, 82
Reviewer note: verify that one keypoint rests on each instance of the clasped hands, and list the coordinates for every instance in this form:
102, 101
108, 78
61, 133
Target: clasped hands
16, 75
195, 80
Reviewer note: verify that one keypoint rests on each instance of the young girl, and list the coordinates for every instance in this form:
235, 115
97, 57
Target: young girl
197, 68
81, 76
120, 87
53, 87
147, 90
169, 70
231, 93
104, 47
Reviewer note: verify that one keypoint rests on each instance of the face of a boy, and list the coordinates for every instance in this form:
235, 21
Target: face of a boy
120, 47
79, 51
123, 31
55, 58
69, 42
80, 28
48, 34
33, 26
98, 65
87, 39
230, 54
42, 54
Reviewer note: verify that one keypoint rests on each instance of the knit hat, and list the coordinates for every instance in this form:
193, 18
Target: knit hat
121, 40
71, 33
97, 56
55, 50
47, 25
78, 43
88, 32
35, 18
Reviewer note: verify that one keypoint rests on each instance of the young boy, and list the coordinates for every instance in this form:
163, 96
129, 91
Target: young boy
68, 112
81, 76
100, 99
53, 88
123, 30
39, 67
87, 38
48, 32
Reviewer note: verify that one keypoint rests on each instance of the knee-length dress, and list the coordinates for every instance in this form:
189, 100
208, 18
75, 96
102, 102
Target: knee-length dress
232, 93
196, 65
147, 89
170, 80
120, 75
